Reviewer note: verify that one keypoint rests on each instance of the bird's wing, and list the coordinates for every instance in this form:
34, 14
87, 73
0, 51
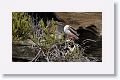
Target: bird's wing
74, 31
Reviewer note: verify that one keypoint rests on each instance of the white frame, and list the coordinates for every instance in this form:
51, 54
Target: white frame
104, 67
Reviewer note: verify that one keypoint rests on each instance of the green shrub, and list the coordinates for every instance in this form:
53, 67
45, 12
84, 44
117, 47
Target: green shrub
21, 25
48, 37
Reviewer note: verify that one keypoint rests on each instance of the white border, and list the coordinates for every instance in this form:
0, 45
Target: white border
104, 67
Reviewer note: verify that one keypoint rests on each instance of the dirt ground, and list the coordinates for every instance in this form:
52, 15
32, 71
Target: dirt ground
76, 19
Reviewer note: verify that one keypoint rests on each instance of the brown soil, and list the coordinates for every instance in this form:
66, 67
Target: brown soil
76, 19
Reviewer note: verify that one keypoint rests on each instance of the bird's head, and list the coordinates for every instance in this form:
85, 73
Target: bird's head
66, 27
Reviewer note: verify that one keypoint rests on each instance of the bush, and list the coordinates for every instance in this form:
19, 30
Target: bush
47, 35
21, 25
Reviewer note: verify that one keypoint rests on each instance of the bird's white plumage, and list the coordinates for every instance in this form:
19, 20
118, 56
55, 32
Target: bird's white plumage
68, 29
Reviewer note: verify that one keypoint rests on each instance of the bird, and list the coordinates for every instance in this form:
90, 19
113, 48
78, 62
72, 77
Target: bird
81, 34
71, 32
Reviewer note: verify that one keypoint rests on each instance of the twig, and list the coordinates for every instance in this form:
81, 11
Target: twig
36, 57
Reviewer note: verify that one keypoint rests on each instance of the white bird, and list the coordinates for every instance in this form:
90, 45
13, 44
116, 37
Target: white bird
71, 32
